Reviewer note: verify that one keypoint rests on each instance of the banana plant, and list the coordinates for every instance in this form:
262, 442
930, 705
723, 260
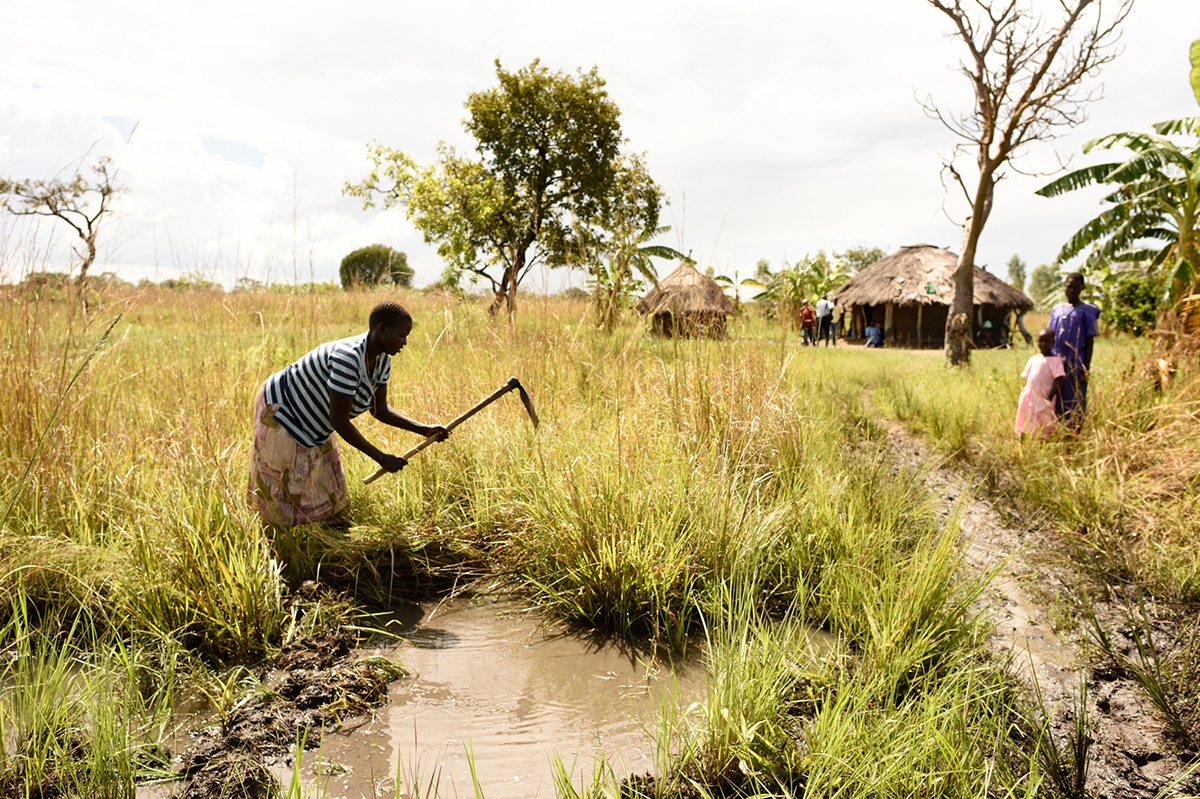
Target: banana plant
1155, 199
614, 280
820, 275
734, 283
781, 292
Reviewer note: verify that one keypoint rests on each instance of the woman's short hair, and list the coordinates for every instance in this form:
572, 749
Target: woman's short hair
390, 314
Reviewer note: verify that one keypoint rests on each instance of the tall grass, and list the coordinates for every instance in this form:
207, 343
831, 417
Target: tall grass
1123, 492
1119, 499
77, 716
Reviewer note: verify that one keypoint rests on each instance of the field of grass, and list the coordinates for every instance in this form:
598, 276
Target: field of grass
678, 491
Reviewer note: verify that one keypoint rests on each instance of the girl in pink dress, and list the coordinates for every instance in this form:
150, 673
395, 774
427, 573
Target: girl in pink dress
1043, 381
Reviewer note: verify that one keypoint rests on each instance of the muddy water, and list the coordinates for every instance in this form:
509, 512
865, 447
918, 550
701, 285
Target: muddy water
501, 685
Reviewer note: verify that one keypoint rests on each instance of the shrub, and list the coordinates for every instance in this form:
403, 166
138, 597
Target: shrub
373, 265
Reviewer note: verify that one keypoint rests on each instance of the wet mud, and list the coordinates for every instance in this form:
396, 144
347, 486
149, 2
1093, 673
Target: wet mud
490, 694
1131, 754
313, 685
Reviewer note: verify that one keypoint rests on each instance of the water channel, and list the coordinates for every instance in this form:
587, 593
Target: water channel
506, 690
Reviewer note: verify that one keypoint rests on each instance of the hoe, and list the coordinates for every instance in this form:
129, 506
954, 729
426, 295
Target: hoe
512, 384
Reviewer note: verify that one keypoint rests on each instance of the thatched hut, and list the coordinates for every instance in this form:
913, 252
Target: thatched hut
687, 303
909, 293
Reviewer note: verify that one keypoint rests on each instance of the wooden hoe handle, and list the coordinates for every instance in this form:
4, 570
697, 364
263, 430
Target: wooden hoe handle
512, 383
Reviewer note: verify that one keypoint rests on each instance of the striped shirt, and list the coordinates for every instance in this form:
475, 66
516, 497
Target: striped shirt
302, 389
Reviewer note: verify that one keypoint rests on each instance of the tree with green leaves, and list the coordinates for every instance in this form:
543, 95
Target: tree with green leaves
856, 259
1154, 196
1016, 273
762, 270
1026, 80
375, 264
1044, 283
547, 146
82, 203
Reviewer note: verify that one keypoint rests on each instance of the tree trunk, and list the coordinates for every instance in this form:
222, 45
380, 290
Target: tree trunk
506, 293
88, 259
959, 322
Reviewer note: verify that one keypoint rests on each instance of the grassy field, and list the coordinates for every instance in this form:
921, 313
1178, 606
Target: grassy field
677, 491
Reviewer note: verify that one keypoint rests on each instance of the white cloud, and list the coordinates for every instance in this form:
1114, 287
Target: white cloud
777, 128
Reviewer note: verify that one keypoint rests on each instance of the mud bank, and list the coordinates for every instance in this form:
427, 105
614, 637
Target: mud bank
1130, 754
313, 685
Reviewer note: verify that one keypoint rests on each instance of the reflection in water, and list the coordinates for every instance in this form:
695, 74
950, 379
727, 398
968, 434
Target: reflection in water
512, 692
431, 638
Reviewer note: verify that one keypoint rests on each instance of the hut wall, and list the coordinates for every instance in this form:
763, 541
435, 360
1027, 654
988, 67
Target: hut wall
690, 325
933, 325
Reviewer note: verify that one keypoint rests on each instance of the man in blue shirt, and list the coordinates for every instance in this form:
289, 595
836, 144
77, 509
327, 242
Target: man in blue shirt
1074, 326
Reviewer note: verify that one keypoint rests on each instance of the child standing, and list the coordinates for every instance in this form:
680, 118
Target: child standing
1043, 381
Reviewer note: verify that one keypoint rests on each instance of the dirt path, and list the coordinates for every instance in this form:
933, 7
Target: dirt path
1129, 755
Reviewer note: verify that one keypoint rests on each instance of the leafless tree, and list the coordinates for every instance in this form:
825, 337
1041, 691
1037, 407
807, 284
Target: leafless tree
1028, 79
80, 202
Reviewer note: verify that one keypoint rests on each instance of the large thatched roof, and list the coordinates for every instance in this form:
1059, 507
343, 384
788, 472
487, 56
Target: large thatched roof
905, 277
686, 291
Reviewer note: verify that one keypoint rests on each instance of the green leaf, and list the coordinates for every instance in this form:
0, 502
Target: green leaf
1077, 179
659, 251
1194, 55
1178, 127
1138, 142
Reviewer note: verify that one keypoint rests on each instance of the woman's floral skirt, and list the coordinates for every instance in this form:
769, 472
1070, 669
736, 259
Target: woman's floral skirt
291, 484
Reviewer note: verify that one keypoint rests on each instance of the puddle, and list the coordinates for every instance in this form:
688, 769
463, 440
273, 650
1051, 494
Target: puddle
512, 691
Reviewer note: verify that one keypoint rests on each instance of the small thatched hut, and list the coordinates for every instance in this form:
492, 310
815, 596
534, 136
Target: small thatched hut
909, 294
687, 303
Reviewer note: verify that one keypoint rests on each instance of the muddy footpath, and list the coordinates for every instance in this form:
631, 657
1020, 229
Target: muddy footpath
1130, 752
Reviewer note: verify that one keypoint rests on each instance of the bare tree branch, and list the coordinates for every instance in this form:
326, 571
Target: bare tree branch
1028, 84
79, 202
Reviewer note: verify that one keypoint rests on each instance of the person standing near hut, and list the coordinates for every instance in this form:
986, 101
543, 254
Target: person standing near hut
1074, 325
807, 316
295, 468
835, 319
824, 308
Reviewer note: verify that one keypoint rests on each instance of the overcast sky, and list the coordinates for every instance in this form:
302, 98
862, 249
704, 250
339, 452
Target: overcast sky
775, 128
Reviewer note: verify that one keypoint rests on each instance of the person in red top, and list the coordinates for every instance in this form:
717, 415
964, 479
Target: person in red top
807, 317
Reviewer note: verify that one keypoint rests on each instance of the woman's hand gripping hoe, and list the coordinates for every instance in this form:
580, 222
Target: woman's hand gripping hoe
513, 384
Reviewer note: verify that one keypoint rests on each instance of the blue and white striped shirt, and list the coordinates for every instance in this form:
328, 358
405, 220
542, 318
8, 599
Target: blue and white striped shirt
302, 388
